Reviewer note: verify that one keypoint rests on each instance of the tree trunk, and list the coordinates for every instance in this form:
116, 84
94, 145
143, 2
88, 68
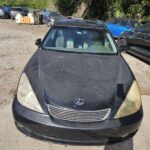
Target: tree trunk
82, 9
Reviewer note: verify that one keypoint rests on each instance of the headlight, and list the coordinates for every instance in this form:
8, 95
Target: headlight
26, 96
132, 102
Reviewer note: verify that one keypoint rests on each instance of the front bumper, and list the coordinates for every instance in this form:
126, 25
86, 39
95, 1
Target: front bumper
41, 126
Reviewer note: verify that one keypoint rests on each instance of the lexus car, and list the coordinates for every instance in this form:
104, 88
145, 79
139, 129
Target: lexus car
77, 88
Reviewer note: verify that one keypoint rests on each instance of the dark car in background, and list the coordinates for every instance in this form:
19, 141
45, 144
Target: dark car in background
5, 12
18, 10
137, 42
49, 17
119, 25
77, 88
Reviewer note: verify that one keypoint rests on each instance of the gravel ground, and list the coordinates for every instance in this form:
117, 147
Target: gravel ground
16, 48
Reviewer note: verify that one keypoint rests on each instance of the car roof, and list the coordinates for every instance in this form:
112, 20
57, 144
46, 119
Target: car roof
80, 23
17, 7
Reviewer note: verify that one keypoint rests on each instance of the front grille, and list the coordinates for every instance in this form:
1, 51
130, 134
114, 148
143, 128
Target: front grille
78, 115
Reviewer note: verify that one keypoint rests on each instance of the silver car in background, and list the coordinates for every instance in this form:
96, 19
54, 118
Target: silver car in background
2, 13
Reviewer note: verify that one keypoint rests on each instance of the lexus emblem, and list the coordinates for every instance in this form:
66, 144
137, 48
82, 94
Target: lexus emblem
79, 101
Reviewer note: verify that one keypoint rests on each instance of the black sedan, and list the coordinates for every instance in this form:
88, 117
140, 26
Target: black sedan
77, 88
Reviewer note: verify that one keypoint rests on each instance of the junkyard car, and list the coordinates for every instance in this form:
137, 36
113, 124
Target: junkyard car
49, 18
137, 42
5, 12
77, 88
119, 25
18, 10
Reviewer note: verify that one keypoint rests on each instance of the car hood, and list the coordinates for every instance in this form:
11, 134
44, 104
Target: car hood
60, 79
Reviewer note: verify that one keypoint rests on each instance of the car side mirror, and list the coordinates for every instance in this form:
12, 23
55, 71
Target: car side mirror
38, 42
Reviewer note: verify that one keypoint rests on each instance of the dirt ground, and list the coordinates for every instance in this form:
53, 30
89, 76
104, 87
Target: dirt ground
16, 48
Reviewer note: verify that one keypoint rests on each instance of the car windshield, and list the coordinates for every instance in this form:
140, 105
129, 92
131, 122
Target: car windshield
76, 39
124, 23
113, 21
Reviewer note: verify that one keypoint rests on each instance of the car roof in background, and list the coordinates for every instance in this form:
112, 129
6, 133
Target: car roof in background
17, 7
80, 23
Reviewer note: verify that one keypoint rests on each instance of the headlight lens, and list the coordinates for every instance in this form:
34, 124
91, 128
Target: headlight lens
132, 102
26, 95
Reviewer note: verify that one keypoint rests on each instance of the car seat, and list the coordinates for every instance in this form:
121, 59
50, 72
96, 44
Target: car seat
60, 39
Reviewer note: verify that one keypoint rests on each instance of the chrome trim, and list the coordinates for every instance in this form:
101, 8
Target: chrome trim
78, 115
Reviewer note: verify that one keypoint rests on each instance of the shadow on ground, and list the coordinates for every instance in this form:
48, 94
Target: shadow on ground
127, 145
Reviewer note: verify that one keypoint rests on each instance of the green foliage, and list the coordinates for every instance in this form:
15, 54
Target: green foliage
105, 9
68, 7
135, 9
102, 9
38, 4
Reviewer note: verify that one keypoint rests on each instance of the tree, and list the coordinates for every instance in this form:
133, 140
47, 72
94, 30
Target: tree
102, 9
67, 7
82, 8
